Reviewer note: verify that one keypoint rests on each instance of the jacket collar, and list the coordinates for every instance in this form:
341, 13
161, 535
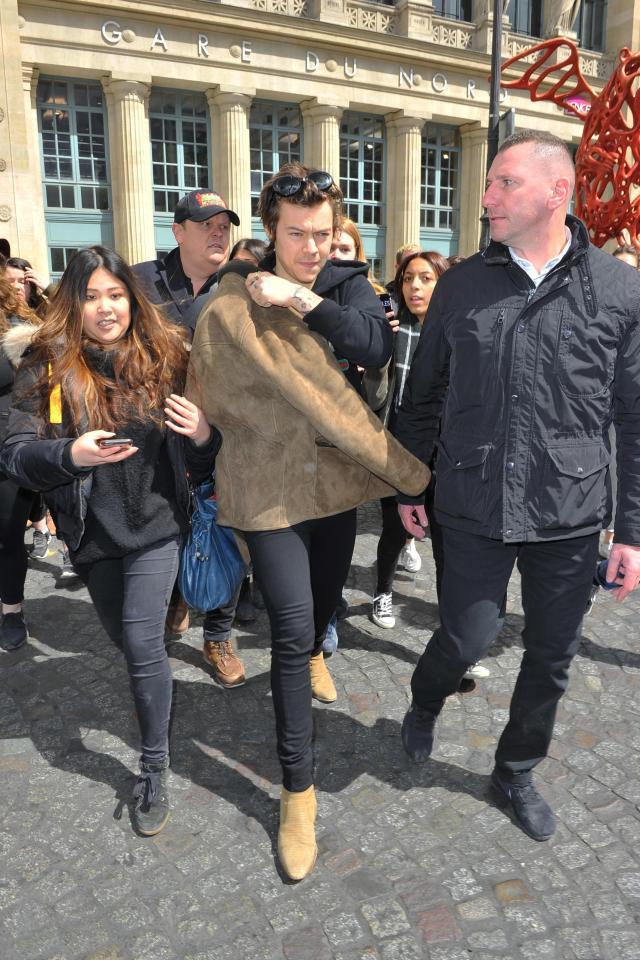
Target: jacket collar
333, 273
177, 282
497, 254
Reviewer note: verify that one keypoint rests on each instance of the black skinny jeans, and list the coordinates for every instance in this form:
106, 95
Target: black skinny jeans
17, 505
300, 571
131, 595
394, 536
557, 576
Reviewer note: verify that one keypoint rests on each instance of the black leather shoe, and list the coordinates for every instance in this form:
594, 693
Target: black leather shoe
530, 809
418, 733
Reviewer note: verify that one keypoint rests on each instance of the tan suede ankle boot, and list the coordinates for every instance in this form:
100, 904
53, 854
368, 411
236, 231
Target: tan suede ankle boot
297, 846
322, 686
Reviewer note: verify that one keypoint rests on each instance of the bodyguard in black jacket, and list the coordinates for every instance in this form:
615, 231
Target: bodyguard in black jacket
528, 352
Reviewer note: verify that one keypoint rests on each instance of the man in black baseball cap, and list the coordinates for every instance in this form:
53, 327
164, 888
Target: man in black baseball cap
201, 226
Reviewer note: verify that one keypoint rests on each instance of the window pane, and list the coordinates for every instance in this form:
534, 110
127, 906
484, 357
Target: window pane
272, 140
57, 259
53, 196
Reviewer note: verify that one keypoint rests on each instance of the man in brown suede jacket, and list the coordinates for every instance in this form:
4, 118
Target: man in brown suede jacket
274, 362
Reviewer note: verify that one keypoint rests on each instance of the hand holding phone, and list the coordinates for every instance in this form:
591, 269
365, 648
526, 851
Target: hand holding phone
93, 449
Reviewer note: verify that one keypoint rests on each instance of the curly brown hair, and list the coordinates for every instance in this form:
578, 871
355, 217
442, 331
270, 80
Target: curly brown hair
149, 362
12, 305
308, 196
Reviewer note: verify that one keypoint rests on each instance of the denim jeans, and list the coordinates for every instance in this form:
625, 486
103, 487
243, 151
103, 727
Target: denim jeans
131, 595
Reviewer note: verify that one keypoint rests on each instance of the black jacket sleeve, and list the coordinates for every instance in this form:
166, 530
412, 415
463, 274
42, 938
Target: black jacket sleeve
200, 461
354, 323
417, 423
627, 421
27, 456
7, 372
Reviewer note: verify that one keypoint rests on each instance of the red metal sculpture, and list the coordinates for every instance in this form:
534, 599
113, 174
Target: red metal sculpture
608, 157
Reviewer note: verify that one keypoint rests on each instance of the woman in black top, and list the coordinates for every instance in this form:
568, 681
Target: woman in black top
105, 365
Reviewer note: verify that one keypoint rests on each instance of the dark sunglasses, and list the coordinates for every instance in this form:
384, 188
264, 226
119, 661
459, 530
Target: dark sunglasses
288, 185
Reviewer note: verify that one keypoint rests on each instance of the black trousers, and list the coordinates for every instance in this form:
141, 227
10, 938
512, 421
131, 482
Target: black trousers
131, 595
556, 579
394, 536
300, 571
17, 505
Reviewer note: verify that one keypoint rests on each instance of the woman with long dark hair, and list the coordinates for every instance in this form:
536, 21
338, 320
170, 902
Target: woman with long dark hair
100, 425
415, 281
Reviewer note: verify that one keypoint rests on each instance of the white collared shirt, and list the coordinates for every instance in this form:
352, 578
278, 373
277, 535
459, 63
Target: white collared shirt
530, 270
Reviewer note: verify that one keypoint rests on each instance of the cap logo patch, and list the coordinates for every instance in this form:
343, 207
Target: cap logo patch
209, 200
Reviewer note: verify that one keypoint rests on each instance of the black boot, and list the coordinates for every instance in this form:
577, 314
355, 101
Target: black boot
151, 796
13, 632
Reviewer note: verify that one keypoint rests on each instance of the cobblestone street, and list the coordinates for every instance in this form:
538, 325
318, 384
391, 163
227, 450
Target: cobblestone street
415, 861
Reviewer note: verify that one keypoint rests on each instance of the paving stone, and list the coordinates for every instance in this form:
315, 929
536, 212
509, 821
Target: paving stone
415, 862
509, 890
385, 917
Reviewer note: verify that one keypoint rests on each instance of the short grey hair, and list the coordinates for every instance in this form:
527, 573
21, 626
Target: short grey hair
546, 145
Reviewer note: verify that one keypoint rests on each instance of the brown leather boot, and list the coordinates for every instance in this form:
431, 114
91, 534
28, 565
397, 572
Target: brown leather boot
322, 686
297, 846
228, 669
177, 616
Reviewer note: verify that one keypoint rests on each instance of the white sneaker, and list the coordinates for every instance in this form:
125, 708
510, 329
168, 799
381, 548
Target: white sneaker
477, 672
382, 611
410, 559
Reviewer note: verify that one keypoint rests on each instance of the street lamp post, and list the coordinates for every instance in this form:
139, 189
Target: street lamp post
493, 135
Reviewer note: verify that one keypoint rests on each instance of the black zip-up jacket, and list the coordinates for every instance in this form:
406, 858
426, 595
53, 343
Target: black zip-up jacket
7, 376
350, 317
535, 379
37, 455
167, 285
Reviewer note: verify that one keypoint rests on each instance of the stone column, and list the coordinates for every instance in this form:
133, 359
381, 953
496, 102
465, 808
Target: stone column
473, 138
404, 154
415, 19
229, 111
131, 171
16, 179
483, 16
39, 254
322, 136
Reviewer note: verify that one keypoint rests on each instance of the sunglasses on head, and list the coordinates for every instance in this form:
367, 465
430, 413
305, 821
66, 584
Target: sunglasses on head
288, 184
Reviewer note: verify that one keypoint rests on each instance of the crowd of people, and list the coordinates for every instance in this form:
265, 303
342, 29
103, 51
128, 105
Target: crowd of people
474, 399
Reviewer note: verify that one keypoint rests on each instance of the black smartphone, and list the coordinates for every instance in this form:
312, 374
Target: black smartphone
115, 442
385, 300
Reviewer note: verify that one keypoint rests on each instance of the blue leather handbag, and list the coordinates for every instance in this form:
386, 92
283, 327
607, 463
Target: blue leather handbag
211, 568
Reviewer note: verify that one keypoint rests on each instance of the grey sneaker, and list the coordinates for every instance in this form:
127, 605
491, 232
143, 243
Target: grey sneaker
151, 796
41, 545
68, 572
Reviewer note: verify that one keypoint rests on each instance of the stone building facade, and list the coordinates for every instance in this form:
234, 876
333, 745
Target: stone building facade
110, 111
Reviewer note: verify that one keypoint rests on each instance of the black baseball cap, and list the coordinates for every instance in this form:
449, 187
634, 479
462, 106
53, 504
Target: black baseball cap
199, 205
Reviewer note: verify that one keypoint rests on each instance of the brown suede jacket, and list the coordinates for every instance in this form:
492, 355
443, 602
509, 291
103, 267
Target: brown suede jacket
298, 440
